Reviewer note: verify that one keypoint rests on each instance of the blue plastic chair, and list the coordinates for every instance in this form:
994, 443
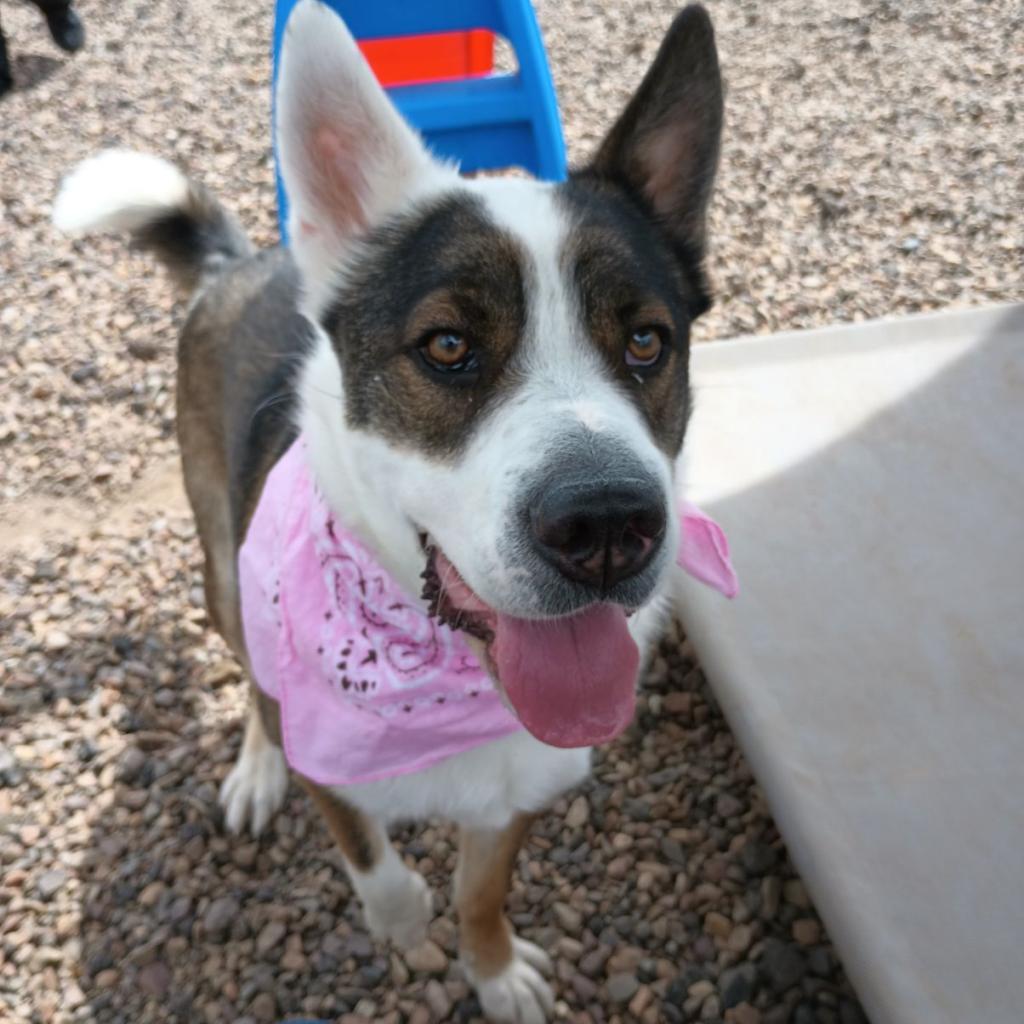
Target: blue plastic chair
483, 123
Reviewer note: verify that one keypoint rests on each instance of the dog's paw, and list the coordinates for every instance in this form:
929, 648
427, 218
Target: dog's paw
400, 910
519, 994
255, 788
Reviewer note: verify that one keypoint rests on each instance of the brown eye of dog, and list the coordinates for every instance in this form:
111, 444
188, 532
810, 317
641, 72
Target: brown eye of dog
447, 350
644, 346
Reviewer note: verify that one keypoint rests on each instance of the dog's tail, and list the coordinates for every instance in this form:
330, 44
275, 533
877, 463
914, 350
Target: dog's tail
165, 211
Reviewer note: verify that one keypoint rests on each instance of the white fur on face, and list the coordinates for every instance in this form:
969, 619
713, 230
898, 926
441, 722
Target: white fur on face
469, 506
566, 390
349, 164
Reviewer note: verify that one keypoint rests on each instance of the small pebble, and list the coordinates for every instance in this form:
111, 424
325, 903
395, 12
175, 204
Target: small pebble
427, 957
622, 987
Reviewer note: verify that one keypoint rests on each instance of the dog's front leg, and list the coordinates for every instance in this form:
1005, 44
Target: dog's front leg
255, 788
506, 971
396, 900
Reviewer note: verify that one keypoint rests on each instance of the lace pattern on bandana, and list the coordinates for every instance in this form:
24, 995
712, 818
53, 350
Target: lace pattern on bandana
374, 641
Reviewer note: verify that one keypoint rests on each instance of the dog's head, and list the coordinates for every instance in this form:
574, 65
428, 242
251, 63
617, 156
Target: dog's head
499, 387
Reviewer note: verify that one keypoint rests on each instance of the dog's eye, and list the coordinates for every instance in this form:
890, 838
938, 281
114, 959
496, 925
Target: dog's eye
645, 346
448, 350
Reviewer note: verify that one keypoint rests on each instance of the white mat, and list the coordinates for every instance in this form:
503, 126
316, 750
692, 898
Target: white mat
871, 481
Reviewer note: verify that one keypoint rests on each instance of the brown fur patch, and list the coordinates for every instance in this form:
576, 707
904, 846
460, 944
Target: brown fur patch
447, 268
486, 860
270, 712
627, 279
236, 358
239, 350
349, 827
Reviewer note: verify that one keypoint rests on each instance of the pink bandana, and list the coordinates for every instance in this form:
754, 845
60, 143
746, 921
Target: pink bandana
368, 684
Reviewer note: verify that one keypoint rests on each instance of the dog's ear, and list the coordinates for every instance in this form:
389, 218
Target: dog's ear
347, 157
665, 144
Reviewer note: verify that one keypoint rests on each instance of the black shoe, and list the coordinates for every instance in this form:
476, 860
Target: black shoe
67, 29
6, 81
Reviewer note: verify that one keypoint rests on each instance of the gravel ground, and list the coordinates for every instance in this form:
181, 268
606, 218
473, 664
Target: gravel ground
871, 167
662, 887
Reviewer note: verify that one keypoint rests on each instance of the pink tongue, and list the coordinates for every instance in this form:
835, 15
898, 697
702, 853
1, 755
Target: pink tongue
572, 681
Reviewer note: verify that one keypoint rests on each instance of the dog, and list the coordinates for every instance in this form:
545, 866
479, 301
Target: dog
476, 390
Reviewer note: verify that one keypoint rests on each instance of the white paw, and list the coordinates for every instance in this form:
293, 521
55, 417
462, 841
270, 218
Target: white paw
400, 909
519, 994
255, 788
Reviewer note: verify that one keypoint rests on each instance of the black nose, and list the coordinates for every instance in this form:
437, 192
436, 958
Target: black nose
599, 533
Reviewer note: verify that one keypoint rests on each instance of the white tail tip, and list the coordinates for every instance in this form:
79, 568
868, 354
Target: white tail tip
118, 190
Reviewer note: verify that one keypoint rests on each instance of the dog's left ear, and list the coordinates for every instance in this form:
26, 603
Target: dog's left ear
665, 144
348, 159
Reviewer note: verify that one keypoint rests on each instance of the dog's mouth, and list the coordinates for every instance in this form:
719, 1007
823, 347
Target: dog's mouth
570, 680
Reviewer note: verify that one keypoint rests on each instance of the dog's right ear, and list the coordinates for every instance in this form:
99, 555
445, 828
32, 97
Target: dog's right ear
347, 157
